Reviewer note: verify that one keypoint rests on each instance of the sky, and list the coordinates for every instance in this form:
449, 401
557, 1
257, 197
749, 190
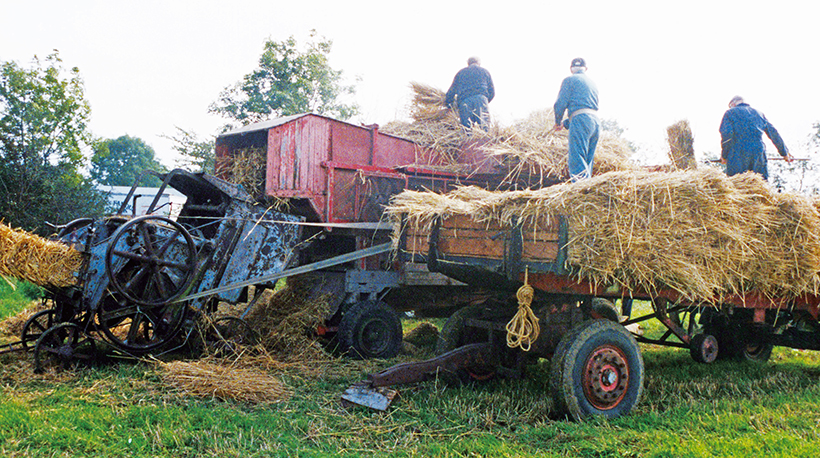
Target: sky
151, 66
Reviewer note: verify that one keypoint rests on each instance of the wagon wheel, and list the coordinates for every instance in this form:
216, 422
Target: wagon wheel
370, 329
159, 257
704, 348
62, 346
597, 369
138, 328
36, 326
229, 333
455, 334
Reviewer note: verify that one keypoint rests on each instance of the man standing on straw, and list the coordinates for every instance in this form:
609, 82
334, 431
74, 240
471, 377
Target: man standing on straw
741, 134
579, 98
473, 90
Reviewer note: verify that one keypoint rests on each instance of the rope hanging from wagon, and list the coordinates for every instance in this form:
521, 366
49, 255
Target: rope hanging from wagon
523, 329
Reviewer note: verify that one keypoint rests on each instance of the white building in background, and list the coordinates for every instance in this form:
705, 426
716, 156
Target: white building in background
170, 203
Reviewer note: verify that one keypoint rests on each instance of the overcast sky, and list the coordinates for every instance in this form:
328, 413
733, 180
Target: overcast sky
151, 65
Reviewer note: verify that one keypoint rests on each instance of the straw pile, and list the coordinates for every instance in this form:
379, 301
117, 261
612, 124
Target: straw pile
697, 232
435, 127
37, 260
681, 145
283, 320
245, 167
211, 379
533, 154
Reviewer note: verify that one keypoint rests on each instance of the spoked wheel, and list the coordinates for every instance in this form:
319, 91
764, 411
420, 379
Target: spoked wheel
62, 346
139, 329
228, 334
370, 329
150, 260
35, 326
597, 369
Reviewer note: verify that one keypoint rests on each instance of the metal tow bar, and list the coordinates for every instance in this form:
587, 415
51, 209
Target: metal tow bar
336, 260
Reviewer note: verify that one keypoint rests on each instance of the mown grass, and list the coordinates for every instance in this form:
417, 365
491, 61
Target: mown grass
688, 410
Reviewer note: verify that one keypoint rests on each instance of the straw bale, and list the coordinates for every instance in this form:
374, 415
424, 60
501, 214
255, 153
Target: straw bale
681, 145
214, 379
34, 259
697, 232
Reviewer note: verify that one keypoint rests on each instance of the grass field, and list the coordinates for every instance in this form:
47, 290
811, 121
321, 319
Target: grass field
688, 410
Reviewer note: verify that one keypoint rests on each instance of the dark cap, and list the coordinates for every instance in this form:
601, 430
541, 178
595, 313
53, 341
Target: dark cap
578, 62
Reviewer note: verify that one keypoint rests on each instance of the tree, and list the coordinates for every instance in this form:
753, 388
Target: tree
43, 130
120, 162
195, 155
288, 81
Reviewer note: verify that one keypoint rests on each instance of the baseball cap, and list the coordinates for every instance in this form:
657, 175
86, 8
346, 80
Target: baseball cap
578, 62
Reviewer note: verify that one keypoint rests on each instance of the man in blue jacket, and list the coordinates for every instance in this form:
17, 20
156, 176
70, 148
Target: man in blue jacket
741, 134
472, 90
578, 97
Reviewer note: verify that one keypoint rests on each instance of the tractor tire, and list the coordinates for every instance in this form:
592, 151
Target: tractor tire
370, 329
597, 370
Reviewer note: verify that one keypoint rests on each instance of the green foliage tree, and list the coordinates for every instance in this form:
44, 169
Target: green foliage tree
43, 130
288, 81
195, 155
119, 162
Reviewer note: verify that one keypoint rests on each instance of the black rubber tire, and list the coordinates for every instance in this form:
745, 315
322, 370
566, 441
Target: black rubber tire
753, 351
732, 342
370, 329
604, 308
704, 348
585, 355
454, 335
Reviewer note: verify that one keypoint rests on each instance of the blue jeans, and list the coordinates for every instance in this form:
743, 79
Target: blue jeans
474, 110
583, 138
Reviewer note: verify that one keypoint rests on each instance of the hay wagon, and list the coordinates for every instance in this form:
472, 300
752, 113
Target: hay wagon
596, 364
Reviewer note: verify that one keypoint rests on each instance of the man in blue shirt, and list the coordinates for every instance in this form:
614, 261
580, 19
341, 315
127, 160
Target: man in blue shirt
473, 90
741, 134
579, 98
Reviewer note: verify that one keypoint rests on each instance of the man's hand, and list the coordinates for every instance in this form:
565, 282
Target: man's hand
722, 160
557, 128
788, 157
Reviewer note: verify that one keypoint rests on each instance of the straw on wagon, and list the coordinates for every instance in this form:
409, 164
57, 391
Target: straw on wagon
32, 258
532, 153
681, 145
697, 232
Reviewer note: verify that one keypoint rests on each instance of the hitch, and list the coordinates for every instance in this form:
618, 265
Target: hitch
374, 393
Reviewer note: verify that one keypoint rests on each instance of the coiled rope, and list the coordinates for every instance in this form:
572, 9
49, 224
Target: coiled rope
523, 329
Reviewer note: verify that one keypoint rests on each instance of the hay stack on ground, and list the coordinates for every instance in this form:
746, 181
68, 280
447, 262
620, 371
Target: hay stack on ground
284, 319
697, 232
681, 145
215, 379
34, 259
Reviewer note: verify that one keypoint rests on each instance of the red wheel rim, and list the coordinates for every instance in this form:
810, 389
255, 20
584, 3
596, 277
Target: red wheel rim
606, 377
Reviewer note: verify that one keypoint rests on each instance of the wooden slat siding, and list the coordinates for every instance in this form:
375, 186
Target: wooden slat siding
273, 179
461, 236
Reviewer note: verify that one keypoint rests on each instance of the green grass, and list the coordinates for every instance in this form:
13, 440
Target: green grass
688, 410
16, 295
